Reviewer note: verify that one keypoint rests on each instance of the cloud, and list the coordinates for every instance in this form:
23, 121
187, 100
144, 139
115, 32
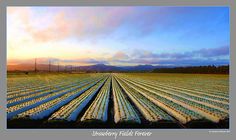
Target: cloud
84, 61
205, 53
175, 62
212, 52
39, 30
211, 56
57, 30
43, 28
41, 60
45, 60
216, 56
88, 22
119, 56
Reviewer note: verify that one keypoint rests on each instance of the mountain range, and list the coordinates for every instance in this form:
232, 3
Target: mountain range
96, 68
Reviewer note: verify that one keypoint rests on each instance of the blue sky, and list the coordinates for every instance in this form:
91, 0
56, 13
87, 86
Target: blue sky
131, 35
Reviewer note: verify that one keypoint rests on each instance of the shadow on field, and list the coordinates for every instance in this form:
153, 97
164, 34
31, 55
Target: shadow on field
91, 124
205, 124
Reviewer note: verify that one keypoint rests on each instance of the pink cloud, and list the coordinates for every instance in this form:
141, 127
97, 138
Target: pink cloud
58, 29
120, 55
89, 22
79, 22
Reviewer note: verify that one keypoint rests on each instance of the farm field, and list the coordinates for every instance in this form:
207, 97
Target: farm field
117, 100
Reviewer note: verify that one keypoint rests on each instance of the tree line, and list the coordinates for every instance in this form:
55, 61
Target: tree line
211, 69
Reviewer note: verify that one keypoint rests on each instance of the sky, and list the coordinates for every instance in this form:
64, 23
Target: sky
121, 36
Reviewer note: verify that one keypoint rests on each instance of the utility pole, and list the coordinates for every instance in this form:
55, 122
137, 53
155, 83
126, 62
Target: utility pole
49, 66
35, 65
58, 66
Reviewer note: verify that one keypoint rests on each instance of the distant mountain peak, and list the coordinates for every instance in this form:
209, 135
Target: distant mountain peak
101, 64
100, 67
